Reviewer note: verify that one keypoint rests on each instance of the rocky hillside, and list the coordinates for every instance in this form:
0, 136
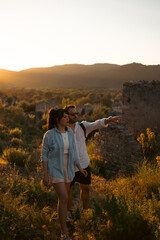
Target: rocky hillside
79, 76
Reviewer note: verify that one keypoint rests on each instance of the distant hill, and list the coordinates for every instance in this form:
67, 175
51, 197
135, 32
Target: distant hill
79, 76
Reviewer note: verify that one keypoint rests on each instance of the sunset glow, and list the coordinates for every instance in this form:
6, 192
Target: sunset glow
53, 32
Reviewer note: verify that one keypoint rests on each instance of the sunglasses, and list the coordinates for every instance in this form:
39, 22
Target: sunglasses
73, 114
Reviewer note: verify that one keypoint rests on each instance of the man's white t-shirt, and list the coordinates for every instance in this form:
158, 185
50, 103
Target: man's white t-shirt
80, 139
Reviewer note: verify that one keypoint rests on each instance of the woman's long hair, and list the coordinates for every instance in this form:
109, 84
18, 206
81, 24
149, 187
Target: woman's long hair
54, 116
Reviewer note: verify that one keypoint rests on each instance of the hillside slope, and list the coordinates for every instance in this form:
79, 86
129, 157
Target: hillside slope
80, 76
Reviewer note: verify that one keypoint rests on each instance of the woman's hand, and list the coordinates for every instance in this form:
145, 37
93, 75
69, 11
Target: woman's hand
46, 180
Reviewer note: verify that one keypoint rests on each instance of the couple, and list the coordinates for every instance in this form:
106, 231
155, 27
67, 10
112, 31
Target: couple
65, 158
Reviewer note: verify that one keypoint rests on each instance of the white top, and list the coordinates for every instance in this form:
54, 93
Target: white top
80, 139
66, 142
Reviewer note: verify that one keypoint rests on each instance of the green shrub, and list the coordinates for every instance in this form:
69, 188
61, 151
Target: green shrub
33, 193
90, 147
17, 156
24, 216
44, 128
33, 160
26, 106
25, 222
14, 117
3, 132
16, 132
113, 219
30, 191
16, 142
97, 165
18, 186
36, 194
130, 203
150, 146
1, 146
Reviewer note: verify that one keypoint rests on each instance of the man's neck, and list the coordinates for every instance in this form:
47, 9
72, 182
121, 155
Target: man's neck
72, 126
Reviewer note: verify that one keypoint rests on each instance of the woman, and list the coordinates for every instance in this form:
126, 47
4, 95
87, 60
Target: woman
59, 157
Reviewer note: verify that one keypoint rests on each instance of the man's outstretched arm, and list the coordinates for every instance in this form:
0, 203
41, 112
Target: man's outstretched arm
100, 123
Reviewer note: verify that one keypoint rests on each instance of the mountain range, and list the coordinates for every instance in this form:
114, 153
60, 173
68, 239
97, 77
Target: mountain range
100, 75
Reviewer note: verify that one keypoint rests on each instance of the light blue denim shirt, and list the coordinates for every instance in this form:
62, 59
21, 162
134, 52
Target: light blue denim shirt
53, 153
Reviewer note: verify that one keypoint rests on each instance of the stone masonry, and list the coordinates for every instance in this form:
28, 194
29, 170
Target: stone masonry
117, 144
141, 105
118, 148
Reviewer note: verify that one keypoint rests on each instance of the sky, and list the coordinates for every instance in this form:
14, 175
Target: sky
44, 33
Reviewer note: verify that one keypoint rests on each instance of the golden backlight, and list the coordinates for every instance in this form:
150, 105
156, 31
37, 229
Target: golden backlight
47, 33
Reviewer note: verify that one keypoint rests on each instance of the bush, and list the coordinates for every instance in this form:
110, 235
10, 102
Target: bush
67, 101
25, 222
16, 142
158, 160
14, 116
37, 195
150, 147
16, 132
33, 160
17, 156
97, 165
3, 131
130, 203
18, 186
26, 106
27, 208
113, 219
1, 146
32, 192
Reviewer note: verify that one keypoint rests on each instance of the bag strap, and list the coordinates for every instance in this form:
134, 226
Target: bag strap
84, 129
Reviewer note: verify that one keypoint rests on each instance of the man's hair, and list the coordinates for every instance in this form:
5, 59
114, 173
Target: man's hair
68, 107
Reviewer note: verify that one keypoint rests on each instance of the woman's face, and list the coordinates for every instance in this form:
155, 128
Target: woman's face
64, 121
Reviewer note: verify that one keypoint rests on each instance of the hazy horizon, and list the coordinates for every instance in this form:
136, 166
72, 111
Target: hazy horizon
36, 67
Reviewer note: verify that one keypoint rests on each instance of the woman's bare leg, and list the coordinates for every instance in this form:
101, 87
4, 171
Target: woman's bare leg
62, 192
69, 190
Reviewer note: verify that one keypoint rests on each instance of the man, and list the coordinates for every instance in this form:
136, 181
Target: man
79, 133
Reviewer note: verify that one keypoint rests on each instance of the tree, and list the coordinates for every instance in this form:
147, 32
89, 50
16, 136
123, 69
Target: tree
67, 101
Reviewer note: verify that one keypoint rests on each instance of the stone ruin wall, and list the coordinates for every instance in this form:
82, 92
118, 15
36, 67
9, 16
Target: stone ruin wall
141, 106
117, 144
